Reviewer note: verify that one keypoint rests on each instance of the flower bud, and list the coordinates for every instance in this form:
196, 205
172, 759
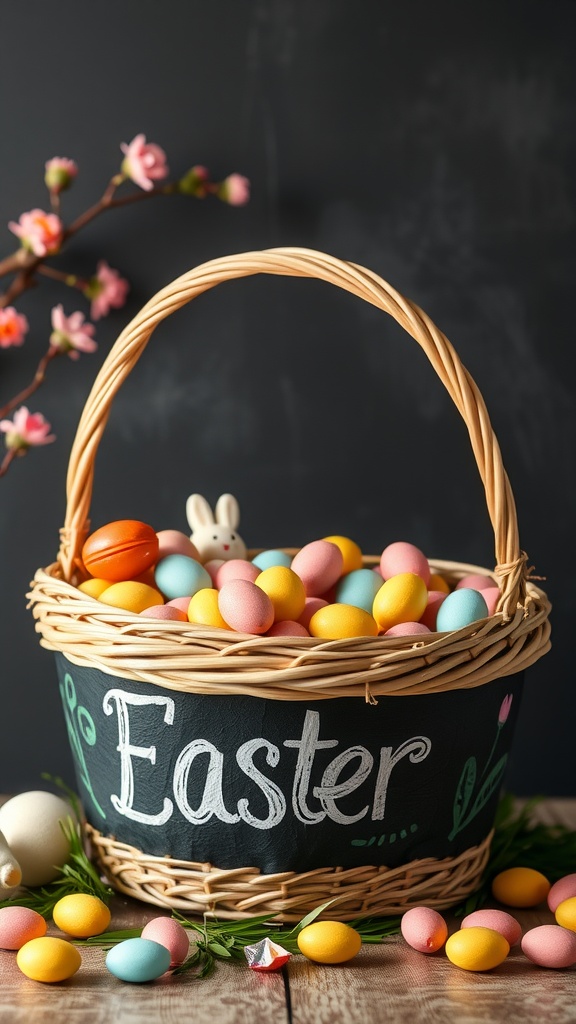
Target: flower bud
60, 173
195, 182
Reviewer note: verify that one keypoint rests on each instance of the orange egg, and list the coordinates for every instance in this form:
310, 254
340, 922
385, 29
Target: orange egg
121, 550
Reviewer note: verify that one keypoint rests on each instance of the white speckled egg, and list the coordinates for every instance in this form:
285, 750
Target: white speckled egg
31, 824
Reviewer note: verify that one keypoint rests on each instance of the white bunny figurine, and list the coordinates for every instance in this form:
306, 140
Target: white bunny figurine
215, 537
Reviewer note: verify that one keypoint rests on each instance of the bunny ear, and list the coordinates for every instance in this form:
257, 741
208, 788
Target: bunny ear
198, 512
227, 511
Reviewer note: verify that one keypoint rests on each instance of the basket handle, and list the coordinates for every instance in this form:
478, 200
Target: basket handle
296, 262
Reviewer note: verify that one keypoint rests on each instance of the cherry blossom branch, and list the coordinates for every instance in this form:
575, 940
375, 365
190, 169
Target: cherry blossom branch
43, 235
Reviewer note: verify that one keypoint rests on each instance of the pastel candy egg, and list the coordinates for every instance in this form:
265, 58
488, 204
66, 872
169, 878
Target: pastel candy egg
351, 553
203, 608
340, 621
212, 567
461, 608
561, 890
166, 612
429, 615
174, 542
171, 934
424, 929
48, 959
235, 569
358, 587
520, 887
498, 920
138, 960
319, 566
565, 913
311, 605
285, 590
401, 598
437, 582
245, 607
407, 629
94, 587
273, 556
180, 576
475, 581
181, 603
491, 595
131, 596
402, 557
477, 948
19, 925
120, 550
549, 945
287, 627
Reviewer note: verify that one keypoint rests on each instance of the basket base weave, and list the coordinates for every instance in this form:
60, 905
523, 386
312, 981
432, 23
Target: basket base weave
201, 889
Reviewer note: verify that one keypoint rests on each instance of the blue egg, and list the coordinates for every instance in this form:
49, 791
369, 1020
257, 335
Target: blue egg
180, 576
359, 588
138, 960
274, 556
459, 609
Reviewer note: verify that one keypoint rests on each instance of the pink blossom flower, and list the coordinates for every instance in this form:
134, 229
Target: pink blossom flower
70, 334
26, 429
60, 173
235, 190
144, 162
106, 291
13, 327
505, 708
39, 232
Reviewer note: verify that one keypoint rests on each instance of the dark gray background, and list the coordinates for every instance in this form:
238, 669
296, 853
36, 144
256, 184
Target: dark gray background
431, 142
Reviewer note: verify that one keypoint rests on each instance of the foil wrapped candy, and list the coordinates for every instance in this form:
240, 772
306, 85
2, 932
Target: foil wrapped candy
266, 955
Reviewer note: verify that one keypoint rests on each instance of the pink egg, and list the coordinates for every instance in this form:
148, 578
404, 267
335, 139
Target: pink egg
170, 934
287, 627
491, 596
166, 612
312, 605
319, 565
245, 607
424, 929
19, 925
404, 557
435, 599
181, 603
407, 629
549, 945
563, 889
498, 921
235, 569
212, 568
174, 542
475, 581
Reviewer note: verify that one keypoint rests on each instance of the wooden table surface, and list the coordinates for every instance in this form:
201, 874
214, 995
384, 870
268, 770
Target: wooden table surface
387, 982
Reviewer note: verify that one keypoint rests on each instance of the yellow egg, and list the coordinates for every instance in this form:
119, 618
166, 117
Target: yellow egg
203, 609
329, 942
565, 913
48, 959
340, 621
286, 591
402, 598
131, 596
438, 583
81, 915
520, 887
351, 553
94, 587
477, 948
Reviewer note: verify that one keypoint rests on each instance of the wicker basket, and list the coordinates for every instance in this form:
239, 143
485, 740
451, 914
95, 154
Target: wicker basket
375, 857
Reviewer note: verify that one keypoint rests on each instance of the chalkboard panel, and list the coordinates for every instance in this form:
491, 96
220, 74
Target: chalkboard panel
241, 781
